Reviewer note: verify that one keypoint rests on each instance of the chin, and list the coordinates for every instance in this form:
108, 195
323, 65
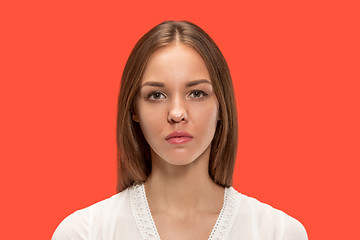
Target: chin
179, 157
179, 162
182, 159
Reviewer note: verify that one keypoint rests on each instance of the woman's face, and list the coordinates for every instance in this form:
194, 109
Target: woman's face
176, 105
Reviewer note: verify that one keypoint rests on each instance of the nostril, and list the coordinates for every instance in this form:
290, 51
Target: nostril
177, 117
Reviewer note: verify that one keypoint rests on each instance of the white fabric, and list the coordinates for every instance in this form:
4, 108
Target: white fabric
126, 215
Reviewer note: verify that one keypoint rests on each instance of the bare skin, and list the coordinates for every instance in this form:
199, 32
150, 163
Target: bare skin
185, 203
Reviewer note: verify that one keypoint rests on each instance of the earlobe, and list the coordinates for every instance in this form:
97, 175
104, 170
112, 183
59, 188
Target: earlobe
135, 117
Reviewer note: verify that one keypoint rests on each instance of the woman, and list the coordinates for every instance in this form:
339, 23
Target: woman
177, 138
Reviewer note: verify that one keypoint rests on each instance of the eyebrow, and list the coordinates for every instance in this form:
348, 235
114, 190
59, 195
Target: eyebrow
189, 84
196, 82
153, 84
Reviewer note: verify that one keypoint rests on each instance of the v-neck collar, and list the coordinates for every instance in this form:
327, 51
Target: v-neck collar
146, 225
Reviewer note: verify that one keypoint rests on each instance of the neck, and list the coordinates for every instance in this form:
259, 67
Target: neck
184, 189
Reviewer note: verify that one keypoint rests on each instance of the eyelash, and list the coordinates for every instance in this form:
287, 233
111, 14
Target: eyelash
151, 95
204, 94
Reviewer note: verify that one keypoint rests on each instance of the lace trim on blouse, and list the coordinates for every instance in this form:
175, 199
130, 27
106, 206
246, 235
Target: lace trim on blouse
142, 214
146, 225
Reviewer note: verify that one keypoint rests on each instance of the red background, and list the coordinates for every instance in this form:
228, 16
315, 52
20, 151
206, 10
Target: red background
295, 66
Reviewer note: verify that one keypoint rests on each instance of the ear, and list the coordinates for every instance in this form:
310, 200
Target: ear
135, 117
134, 114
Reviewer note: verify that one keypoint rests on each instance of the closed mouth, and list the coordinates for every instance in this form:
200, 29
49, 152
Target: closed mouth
178, 134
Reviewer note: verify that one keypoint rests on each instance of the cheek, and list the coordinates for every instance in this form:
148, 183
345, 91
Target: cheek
150, 119
205, 116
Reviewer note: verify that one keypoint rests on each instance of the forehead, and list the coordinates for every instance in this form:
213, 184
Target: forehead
175, 62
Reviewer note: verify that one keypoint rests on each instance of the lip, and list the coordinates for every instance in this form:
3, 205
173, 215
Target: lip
178, 137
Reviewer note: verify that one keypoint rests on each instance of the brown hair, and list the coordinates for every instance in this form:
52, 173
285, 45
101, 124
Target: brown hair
133, 152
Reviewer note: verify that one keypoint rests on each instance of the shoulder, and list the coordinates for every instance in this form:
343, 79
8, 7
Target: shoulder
267, 220
79, 224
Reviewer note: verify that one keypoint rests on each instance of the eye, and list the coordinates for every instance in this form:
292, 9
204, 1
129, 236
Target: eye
198, 94
155, 95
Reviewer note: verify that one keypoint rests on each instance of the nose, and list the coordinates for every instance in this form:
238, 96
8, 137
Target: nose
177, 112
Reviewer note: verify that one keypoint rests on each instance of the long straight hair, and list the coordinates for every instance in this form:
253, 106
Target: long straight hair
133, 152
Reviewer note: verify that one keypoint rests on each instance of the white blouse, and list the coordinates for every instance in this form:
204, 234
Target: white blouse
126, 215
